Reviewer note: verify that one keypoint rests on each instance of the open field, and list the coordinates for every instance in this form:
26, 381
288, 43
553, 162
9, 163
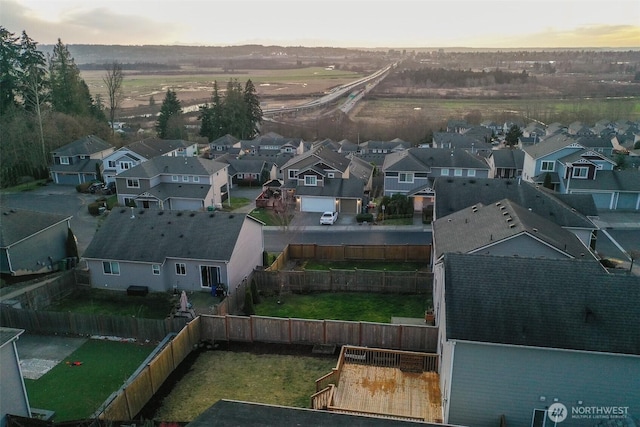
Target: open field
264, 378
194, 86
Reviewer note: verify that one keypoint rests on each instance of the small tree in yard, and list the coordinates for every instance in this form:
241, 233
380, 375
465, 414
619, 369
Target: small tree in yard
249, 308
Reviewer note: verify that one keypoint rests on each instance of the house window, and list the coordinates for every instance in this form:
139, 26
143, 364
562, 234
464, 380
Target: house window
181, 269
185, 178
209, 276
64, 160
547, 166
330, 174
174, 178
580, 172
112, 163
445, 172
471, 172
133, 183
405, 177
125, 165
310, 180
111, 267
457, 172
293, 173
240, 176
196, 179
155, 268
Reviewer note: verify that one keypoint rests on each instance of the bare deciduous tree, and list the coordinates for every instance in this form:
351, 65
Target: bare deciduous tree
113, 80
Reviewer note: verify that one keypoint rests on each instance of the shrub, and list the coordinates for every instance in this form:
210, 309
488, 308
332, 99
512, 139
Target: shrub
364, 217
94, 208
84, 187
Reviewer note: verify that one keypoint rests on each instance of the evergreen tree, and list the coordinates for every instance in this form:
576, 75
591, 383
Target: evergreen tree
511, 138
254, 111
9, 81
234, 111
69, 93
211, 117
170, 122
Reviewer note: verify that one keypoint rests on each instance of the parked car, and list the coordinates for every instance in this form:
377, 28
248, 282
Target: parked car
328, 218
109, 189
96, 187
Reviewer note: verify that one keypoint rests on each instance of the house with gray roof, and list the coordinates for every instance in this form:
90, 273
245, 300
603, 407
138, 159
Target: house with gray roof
525, 339
569, 211
179, 250
476, 145
383, 147
176, 183
13, 393
505, 163
248, 170
226, 144
140, 151
79, 161
412, 172
272, 144
32, 242
324, 180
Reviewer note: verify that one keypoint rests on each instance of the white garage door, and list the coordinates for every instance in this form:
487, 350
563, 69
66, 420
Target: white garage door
317, 204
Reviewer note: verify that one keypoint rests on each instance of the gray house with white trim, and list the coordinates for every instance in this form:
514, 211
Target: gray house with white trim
78, 162
176, 183
179, 250
526, 338
412, 172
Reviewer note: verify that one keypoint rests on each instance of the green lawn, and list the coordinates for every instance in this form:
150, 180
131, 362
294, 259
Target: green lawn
76, 392
270, 218
236, 202
345, 306
155, 305
27, 186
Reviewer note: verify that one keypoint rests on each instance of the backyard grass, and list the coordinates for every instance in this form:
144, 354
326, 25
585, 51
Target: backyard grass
264, 378
27, 186
155, 305
76, 392
234, 203
357, 307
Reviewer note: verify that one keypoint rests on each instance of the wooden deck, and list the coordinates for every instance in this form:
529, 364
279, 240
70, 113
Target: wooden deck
388, 391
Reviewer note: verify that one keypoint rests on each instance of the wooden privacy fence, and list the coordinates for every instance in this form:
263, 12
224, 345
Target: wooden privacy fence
43, 292
305, 281
126, 403
50, 322
311, 332
413, 253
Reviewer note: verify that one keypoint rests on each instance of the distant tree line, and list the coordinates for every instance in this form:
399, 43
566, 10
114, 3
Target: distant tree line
441, 77
43, 104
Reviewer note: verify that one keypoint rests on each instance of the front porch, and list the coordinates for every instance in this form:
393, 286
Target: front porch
382, 383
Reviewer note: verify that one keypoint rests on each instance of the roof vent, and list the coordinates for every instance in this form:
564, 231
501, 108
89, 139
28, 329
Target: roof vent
161, 213
498, 204
535, 230
505, 213
511, 225
502, 208
192, 214
509, 219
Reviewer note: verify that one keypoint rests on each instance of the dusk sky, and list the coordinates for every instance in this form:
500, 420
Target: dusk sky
347, 23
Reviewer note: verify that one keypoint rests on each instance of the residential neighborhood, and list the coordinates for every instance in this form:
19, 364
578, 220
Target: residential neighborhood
530, 307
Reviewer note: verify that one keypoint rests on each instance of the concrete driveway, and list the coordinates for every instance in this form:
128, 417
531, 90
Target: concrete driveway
40, 353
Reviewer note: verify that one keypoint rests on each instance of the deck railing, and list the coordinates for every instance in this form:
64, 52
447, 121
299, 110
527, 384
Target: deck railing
324, 398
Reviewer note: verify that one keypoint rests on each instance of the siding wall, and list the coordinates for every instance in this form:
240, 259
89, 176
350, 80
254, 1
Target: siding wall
524, 246
12, 396
491, 380
247, 254
26, 255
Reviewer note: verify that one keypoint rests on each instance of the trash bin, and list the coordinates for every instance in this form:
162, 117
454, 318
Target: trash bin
211, 208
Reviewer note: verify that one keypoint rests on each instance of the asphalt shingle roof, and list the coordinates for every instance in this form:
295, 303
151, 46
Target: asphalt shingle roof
19, 224
454, 194
624, 180
173, 165
564, 304
152, 147
480, 226
153, 235
90, 144
423, 159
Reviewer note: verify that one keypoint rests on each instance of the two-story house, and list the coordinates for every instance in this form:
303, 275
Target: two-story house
324, 180
79, 161
574, 168
226, 144
175, 183
272, 144
140, 151
505, 163
536, 342
411, 172
477, 145
383, 147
